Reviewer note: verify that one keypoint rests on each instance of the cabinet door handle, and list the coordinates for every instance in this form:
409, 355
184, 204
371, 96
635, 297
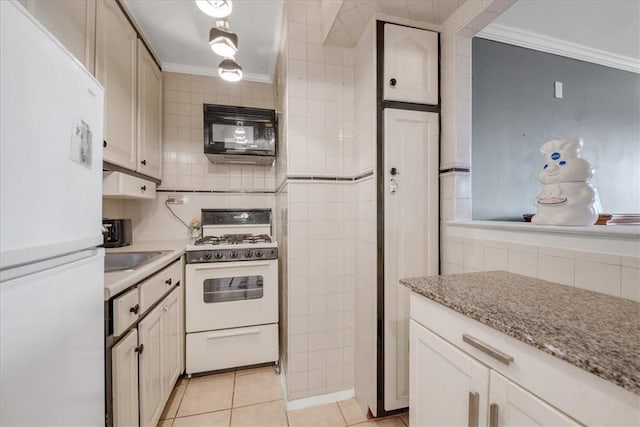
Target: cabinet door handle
139, 349
143, 188
168, 281
104, 143
493, 415
135, 309
487, 349
474, 408
144, 162
393, 82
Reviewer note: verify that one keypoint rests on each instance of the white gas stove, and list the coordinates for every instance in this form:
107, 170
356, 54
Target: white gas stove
232, 292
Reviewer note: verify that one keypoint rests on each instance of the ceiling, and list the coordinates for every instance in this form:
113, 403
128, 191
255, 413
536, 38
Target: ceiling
611, 26
355, 14
178, 33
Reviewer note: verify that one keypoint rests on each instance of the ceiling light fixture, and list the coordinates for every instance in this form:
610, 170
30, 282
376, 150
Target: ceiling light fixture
230, 70
222, 41
215, 8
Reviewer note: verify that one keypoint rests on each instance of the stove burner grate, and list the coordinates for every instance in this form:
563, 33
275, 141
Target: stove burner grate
233, 239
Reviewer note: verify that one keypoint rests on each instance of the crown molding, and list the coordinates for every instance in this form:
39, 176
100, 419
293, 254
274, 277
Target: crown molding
542, 43
212, 72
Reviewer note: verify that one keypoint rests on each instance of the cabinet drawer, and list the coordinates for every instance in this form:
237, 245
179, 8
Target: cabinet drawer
229, 348
126, 309
117, 185
152, 289
585, 397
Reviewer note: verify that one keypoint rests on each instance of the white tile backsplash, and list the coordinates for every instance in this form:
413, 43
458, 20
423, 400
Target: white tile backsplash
185, 165
595, 271
556, 269
630, 282
598, 277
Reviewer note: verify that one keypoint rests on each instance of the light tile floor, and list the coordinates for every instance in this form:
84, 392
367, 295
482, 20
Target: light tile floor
253, 398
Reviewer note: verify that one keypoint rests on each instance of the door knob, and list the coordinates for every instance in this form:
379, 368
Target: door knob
139, 349
168, 281
393, 171
144, 162
135, 309
143, 188
393, 82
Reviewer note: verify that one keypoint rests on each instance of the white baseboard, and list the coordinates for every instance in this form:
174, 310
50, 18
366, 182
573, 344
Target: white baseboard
320, 400
309, 402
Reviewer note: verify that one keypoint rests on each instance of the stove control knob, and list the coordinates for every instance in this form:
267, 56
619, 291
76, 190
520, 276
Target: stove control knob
258, 253
234, 254
248, 253
218, 255
207, 255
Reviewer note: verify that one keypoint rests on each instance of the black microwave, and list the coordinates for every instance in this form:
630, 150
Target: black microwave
240, 135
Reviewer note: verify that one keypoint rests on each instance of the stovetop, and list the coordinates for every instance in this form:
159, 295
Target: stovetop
234, 235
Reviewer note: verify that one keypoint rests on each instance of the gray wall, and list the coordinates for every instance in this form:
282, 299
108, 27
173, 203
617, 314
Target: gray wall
515, 112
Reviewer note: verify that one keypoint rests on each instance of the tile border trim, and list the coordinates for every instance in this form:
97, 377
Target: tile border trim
169, 190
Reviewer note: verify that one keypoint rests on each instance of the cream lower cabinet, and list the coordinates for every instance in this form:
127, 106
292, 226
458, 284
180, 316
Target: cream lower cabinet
159, 338
514, 406
449, 387
125, 380
171, 326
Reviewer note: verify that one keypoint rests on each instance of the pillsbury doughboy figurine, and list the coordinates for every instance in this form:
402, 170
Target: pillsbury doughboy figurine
567, 198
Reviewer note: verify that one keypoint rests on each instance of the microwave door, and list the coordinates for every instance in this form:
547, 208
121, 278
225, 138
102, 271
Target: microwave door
242, 139
233, 138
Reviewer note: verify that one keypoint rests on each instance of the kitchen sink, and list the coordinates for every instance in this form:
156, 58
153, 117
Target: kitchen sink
119, 261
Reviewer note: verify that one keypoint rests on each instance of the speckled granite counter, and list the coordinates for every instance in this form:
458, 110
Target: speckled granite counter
595, 332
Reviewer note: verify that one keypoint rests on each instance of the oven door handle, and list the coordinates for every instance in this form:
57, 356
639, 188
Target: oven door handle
216, 265
224, 334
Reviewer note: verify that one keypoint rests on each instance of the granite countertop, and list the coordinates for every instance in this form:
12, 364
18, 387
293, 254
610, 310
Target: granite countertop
118, 281
595, 332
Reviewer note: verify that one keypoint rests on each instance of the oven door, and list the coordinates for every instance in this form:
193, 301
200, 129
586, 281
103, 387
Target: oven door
224, 295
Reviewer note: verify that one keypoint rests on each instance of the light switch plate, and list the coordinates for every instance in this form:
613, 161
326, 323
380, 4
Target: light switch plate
558, 90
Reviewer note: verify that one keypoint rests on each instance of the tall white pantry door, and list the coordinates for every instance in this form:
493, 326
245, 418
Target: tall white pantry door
411, 140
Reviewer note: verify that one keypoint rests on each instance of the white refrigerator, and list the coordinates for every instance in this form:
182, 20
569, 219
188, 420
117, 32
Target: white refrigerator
51, 272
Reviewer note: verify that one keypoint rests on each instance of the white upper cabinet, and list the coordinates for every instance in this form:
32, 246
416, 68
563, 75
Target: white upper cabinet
410, 65
73, 22
116, 70
149, 114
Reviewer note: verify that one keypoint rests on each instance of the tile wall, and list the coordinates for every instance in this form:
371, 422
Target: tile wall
185, 167
319, 82
153, 221
315, 97
321, 275
186, 170
606, 273
365, 308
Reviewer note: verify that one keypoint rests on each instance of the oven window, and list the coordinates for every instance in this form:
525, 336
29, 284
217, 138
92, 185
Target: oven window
233, 289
